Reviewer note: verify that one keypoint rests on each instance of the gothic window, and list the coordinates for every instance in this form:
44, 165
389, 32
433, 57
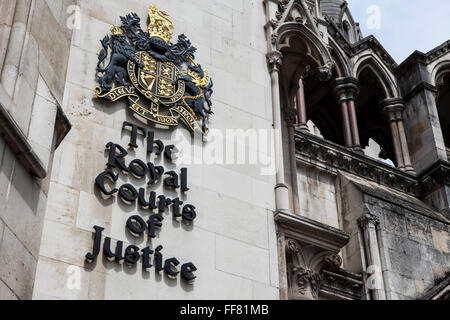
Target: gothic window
372, 123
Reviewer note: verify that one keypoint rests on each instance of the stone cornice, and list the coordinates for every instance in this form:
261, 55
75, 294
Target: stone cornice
312, 231
371, 42
334, 157
418, 88
408, 202
436, 176
16, 140
418, 57
331, 157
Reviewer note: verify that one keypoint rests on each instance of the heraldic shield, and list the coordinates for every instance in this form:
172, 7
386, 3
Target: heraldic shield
161, 80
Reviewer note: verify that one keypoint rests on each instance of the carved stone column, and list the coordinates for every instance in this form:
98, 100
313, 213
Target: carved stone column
368, 224
274, 61
290, 117
301, 106
346, 123
391, 114
393, 109
354, 123
346, 91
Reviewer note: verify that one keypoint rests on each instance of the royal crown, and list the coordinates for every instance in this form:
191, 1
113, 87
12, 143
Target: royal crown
160, 25
116, 30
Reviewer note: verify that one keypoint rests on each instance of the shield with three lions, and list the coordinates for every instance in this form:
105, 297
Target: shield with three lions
160, 79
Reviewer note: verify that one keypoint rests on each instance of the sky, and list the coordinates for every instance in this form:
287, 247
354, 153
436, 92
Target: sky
403, 26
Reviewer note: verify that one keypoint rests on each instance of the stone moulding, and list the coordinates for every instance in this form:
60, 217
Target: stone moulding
436, 176
423, 58
418, 89
333, 157
342, 284
311, 231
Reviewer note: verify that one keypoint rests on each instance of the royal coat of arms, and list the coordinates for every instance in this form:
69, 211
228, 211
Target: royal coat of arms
160, 79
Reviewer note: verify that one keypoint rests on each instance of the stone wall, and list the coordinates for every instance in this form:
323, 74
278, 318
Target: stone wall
34, 44
417, 248
317, 195
413, 240
232, 241
22, 209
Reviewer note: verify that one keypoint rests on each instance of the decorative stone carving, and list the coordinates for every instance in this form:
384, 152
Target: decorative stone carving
345, 88
305, 263
282, 6
440, 174
393, 108
274, 60
304, 278
325, 72
342, 284
365, 221
333, 260
274, 38
310, 249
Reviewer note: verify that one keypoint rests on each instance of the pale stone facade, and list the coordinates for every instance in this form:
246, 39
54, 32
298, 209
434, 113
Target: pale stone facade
232, 242
34, 50
322, 226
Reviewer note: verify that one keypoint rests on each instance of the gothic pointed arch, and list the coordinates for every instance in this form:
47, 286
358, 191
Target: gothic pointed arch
383, 76
297, 38
304, 56
375, 85
439, 73
294, 11
341, 66
442, 83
